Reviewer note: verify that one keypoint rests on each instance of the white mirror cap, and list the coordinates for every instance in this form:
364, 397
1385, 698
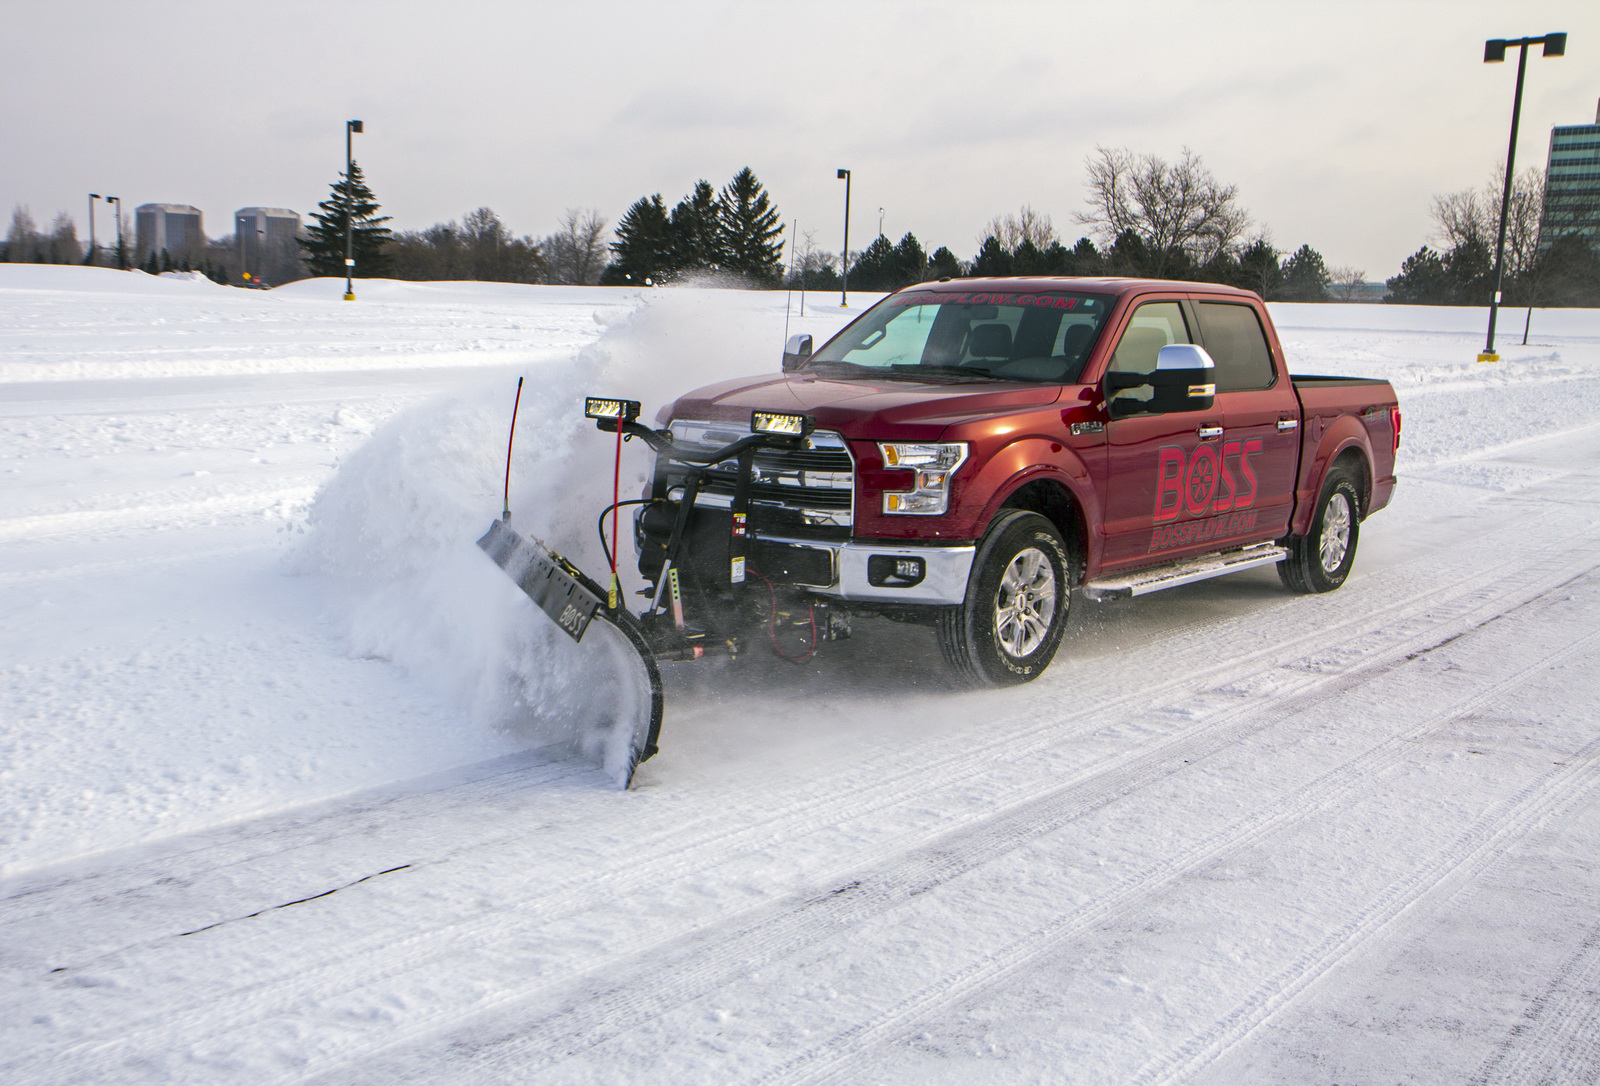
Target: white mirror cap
799, 343
1184, 356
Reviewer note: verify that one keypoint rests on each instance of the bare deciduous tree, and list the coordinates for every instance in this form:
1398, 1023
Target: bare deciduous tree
1026, 225
64, 247
1473, 215
22, 240
1344, 284
1172, 207
576, 252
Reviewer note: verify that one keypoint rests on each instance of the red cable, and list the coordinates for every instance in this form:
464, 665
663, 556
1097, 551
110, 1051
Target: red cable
616, 490
772, 626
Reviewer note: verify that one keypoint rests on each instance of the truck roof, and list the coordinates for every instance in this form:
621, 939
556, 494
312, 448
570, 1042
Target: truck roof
1092, 284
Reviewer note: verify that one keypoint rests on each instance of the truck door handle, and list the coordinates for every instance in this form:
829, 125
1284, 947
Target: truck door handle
1209, 432
1288, 424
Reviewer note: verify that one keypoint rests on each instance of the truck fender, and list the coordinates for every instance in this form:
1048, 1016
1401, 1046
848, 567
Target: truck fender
1341, 435
1040, 459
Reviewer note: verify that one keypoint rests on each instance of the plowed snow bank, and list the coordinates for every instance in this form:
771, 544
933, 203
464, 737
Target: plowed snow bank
396, 527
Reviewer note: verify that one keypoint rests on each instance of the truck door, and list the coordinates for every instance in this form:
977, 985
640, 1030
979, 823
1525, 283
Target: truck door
1260, 446
1159, 466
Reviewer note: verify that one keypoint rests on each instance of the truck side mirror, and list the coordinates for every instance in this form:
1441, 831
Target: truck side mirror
1184, 380
796, 351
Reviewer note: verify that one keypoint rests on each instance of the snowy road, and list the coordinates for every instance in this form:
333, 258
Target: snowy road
1231, 836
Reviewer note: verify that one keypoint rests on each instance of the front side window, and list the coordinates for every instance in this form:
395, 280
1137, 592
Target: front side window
1152, 326
979, 336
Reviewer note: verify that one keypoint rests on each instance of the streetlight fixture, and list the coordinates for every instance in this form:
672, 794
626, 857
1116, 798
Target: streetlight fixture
349, 212
93, 196
122, 253
844, 258
1494, 52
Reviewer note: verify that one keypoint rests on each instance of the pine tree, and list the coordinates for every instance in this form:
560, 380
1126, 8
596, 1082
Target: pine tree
875, 268
1260, 271
1085, 259
750, 228
644, 246
992, 258
1026, 259
1305, 276
1423, 280
910, 261
323, 247
943, 263
697, 240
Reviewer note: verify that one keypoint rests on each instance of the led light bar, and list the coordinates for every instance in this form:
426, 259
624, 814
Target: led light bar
596, 408
770, 422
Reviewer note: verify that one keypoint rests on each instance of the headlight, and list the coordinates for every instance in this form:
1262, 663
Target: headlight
934, 466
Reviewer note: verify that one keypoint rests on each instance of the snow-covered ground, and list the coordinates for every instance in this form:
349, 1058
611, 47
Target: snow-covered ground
277, 800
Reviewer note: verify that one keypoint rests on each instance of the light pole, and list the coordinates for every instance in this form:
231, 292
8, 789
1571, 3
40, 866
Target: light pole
844, 258
880, 222
122, 253
1494, 52
93, 196
349, 212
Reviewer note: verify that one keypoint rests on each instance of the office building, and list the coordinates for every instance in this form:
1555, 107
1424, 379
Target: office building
1572, 184
266, 237
174, 229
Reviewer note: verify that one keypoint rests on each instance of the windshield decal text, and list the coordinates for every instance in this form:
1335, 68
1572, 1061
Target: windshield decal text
1038, 301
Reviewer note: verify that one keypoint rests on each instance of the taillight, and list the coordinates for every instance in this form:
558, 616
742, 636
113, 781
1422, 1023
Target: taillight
1394, 419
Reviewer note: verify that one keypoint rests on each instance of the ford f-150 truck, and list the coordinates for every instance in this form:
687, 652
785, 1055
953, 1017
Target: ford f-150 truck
976, 449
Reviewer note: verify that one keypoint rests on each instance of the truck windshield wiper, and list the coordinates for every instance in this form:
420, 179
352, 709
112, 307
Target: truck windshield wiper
918, 371
837, 365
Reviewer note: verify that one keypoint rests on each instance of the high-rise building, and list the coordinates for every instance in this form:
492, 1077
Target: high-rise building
1572, 184
267, 243
174, 229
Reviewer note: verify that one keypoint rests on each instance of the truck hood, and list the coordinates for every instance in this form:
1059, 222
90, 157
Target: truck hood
864, 409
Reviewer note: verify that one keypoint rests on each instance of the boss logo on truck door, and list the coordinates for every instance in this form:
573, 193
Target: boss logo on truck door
1204, 483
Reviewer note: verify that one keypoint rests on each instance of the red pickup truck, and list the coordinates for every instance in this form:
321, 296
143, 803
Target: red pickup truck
976, 449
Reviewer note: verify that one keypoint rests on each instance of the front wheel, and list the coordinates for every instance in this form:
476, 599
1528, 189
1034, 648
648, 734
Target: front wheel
1320, 560
1009, 626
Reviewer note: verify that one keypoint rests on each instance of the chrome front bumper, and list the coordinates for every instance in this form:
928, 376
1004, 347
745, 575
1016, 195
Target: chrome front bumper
944, 580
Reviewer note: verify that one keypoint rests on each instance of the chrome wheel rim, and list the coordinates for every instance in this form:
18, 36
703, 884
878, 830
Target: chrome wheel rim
1335, 532
1025, 606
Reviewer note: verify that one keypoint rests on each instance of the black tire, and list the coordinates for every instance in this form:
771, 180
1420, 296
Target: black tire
1320, 560
1000, 636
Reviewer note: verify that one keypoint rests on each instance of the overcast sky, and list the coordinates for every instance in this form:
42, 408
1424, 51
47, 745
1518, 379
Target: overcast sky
1337, 121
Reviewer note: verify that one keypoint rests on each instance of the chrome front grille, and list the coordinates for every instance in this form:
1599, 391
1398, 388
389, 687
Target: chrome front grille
817, 481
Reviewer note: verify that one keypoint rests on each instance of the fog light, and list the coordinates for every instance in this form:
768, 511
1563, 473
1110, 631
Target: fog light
596, 408
778, 425
894, 571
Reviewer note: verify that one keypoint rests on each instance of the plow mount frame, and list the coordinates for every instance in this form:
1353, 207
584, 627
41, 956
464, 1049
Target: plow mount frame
573, 600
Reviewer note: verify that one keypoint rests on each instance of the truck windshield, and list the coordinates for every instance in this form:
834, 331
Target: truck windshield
984, 335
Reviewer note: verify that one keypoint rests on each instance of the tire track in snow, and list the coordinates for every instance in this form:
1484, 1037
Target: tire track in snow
960, 756
1536, 801
1483, 843
704, 962
56, 526
365, 965
1559, 1039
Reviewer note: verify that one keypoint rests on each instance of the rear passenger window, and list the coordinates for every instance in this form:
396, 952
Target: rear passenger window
1235, 341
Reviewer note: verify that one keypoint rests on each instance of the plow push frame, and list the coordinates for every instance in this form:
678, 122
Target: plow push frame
573, 600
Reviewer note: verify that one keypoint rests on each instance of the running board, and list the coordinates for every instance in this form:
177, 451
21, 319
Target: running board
1187, 571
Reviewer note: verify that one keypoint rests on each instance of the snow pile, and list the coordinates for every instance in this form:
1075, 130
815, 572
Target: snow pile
396, 527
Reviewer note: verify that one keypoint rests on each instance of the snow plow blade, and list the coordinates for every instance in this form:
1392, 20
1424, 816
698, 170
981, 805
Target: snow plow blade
574, 602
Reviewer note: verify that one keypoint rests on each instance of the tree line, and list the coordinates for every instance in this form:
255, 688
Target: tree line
1146, 217
1540, 269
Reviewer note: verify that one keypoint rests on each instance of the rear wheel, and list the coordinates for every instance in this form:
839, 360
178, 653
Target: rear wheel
1009, 626
1320, 560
